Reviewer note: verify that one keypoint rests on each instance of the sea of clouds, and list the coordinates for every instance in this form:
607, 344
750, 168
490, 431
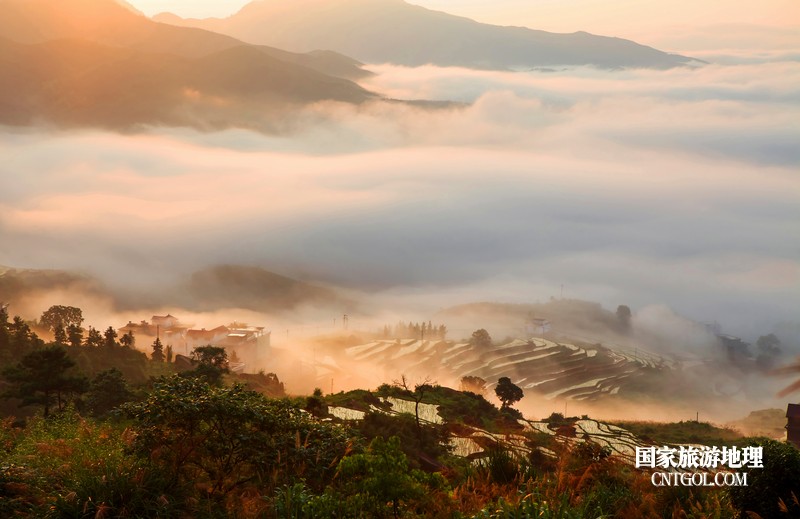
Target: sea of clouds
638, 187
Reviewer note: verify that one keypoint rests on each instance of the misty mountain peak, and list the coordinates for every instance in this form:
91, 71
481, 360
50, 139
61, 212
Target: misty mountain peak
394, 31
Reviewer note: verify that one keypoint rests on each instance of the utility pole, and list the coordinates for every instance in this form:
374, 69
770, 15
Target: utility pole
345, 321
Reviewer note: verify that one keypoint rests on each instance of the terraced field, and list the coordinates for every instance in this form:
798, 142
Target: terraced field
473, 442
551, 369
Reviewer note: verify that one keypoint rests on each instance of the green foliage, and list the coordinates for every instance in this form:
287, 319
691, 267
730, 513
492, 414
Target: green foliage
74, 335
315, 404
128, 340
94, 339
771, 487
531, 506
458, 407
473, 384
213, 364
5, 339
110, 338
21, 339
265, 383
225, 438
60, 335
44, 377
508, 392
69, 467
425, 445
61, 316
107, 391
158, 351
361, 399
501, 466
380, 481
92, 361
481, 339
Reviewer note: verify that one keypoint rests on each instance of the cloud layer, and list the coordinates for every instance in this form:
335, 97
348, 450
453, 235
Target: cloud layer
672, 187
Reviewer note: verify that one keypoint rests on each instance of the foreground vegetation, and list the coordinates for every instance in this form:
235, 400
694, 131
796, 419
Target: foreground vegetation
200, 444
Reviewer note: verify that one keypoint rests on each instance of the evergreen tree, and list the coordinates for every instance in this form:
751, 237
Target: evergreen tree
158, 351
22, 338
93, 338
43, 378
107, 391
5, 338
74, 335
110, 338
169, 353
60, 335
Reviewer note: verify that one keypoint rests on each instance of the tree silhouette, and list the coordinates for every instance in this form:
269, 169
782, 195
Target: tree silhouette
481, 339
158, 351
508, 392
107, 391
128, 340
624, 316
110, 338
43, 378
60, 335
74, 335
61, 315
93, 338
213, 363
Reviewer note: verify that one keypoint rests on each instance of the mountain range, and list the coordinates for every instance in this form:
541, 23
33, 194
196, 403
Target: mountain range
98, 63
394, 31
212, 288
102, 64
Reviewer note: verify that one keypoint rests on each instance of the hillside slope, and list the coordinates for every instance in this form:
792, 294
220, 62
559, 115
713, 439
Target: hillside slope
96, 63
379, 31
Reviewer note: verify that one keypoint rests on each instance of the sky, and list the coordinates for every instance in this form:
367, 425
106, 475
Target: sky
678, 24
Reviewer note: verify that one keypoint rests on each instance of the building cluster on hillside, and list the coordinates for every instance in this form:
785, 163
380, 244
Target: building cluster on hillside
245, 344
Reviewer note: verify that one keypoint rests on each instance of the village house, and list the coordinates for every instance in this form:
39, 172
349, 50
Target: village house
247, 346
243, 343
166, 328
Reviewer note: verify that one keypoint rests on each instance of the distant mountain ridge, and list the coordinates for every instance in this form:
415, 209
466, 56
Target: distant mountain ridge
213, 288
97, 63
394, 31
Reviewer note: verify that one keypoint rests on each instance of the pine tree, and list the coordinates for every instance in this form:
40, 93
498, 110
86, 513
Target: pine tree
158, 351
110, 338
94, 339
74, 335
43, 378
